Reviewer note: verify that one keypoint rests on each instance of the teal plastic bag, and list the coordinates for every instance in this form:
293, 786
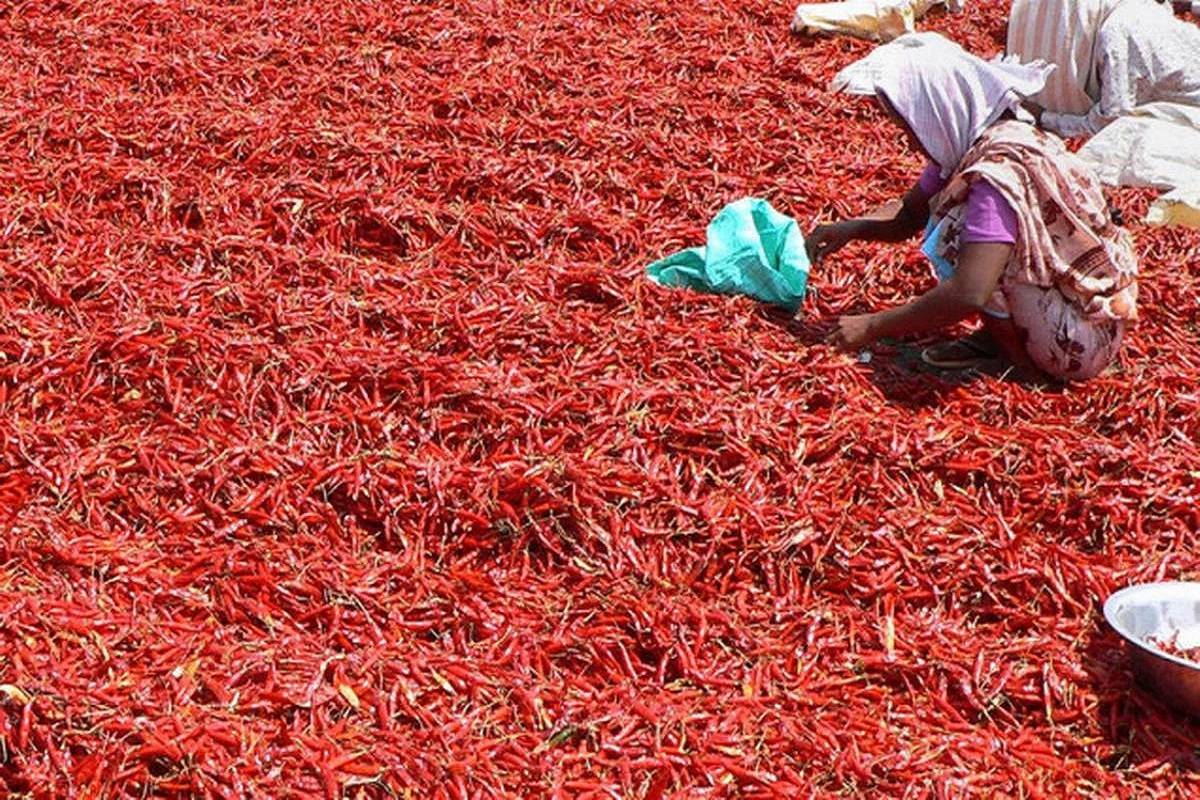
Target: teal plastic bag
750, 249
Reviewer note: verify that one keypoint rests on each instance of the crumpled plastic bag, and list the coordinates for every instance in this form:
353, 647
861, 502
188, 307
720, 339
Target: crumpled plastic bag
1151, 149
877, 20
750, 249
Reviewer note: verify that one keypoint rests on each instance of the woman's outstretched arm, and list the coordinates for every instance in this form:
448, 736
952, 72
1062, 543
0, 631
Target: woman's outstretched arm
966, 292
903, 223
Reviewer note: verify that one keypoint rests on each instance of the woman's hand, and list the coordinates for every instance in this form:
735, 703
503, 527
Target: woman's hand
825, 240
853, 332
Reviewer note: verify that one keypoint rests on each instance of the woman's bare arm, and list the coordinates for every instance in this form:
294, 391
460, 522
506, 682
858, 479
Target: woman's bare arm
966, 292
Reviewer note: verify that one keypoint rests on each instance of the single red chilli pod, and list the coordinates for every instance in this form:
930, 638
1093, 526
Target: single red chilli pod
328, 782
22, 740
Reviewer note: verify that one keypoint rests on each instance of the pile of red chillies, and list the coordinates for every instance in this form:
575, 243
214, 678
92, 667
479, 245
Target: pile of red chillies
345, 451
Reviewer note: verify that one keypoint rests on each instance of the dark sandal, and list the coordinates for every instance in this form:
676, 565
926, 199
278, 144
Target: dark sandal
970, 351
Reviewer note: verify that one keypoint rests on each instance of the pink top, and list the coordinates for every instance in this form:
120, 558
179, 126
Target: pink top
989, 217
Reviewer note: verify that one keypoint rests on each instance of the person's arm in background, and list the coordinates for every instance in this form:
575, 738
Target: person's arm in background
1118, 87
1069, 126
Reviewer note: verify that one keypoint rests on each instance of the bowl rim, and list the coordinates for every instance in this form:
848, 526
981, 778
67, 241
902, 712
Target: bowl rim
1114, 602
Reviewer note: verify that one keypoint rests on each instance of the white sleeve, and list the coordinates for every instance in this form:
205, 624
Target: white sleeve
1069, 126
1118, 88
1196, 8
1115, 64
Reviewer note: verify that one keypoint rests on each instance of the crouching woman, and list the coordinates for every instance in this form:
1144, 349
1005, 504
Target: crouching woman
1018, 228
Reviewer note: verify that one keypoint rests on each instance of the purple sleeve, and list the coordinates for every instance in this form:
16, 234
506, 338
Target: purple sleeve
931, 181
989, 217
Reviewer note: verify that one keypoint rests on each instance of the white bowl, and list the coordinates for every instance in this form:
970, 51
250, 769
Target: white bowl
1168, 611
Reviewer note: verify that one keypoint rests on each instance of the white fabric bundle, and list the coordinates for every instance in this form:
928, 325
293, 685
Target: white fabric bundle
878, 20
1152, 149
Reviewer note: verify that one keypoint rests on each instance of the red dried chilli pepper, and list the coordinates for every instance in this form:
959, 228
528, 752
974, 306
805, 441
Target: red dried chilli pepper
338, 419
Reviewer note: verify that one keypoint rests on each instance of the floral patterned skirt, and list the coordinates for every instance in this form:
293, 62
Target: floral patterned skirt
1059, 339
